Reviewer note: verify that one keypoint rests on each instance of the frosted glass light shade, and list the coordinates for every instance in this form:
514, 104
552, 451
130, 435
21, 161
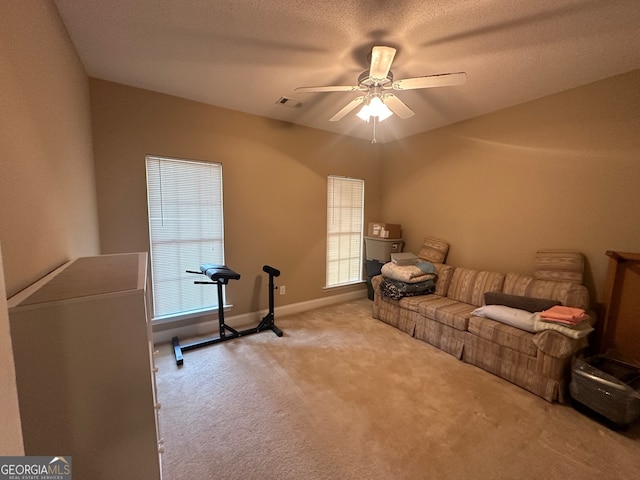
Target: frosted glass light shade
374, 108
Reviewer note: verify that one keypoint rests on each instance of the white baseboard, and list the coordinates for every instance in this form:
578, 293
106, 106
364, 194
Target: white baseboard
248, 320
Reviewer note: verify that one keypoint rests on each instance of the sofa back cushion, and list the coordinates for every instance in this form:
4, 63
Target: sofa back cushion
559, 266
445, 273
469, 286
434, 250
568, 293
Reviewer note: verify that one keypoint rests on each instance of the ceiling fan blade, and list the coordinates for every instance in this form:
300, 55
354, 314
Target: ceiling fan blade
442, 80
397, 106
329, 88
381, 59
347, 108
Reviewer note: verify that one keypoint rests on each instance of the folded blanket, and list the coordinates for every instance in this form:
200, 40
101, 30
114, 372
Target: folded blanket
579, 330
562, 314
426, 267
396, 289
419, 272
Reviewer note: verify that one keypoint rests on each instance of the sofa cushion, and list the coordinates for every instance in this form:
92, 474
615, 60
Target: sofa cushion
434, 250
529, 304
469, 286
559, 266
570, 294
502, 334
515, 317
413, 303
447, 311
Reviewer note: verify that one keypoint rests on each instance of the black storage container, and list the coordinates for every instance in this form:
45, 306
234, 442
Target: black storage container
371, 269
608, 387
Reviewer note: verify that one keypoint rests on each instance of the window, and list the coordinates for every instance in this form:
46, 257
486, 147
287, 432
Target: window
345, 212
185, 230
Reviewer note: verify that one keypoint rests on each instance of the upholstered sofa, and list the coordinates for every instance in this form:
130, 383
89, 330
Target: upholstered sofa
538, 361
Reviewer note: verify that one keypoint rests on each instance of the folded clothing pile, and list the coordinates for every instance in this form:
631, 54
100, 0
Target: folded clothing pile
408, 280
564, 315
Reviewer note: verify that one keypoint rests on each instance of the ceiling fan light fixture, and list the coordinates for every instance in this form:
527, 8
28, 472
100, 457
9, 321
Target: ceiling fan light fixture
374, 107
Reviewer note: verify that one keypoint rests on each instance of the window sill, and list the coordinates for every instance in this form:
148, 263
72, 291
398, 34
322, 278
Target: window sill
184, 317
344, 285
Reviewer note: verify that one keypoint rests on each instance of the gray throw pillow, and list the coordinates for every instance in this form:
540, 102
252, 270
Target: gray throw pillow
530, 304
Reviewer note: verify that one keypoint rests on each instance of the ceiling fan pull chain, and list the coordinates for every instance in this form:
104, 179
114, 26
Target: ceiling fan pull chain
375, 120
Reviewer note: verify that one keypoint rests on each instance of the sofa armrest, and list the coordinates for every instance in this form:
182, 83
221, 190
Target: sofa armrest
558, 345
375, 284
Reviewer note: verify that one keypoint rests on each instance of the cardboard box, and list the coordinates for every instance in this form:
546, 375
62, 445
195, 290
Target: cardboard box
384, 230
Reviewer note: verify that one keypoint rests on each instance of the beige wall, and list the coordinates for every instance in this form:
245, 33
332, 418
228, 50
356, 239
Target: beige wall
559, 172
11, 441
274, 174
47, 188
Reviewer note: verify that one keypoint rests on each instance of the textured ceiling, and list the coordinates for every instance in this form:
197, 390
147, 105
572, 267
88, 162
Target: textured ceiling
246, 54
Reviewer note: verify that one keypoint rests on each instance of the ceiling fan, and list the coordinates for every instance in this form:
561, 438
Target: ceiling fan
375, 82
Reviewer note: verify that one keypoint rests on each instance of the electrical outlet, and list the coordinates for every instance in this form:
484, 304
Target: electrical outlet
283, 289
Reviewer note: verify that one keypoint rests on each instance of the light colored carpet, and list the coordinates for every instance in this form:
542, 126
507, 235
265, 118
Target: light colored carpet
344, 396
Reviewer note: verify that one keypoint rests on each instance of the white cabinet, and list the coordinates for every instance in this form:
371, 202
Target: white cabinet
84, 368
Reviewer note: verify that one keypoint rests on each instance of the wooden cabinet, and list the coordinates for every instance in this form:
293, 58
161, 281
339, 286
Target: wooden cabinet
619, 331
84, 368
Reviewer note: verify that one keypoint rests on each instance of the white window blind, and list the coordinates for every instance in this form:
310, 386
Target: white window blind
186, 230
345, 213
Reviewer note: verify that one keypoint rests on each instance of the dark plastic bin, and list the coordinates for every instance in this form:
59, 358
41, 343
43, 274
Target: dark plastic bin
607, 386
371, 269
